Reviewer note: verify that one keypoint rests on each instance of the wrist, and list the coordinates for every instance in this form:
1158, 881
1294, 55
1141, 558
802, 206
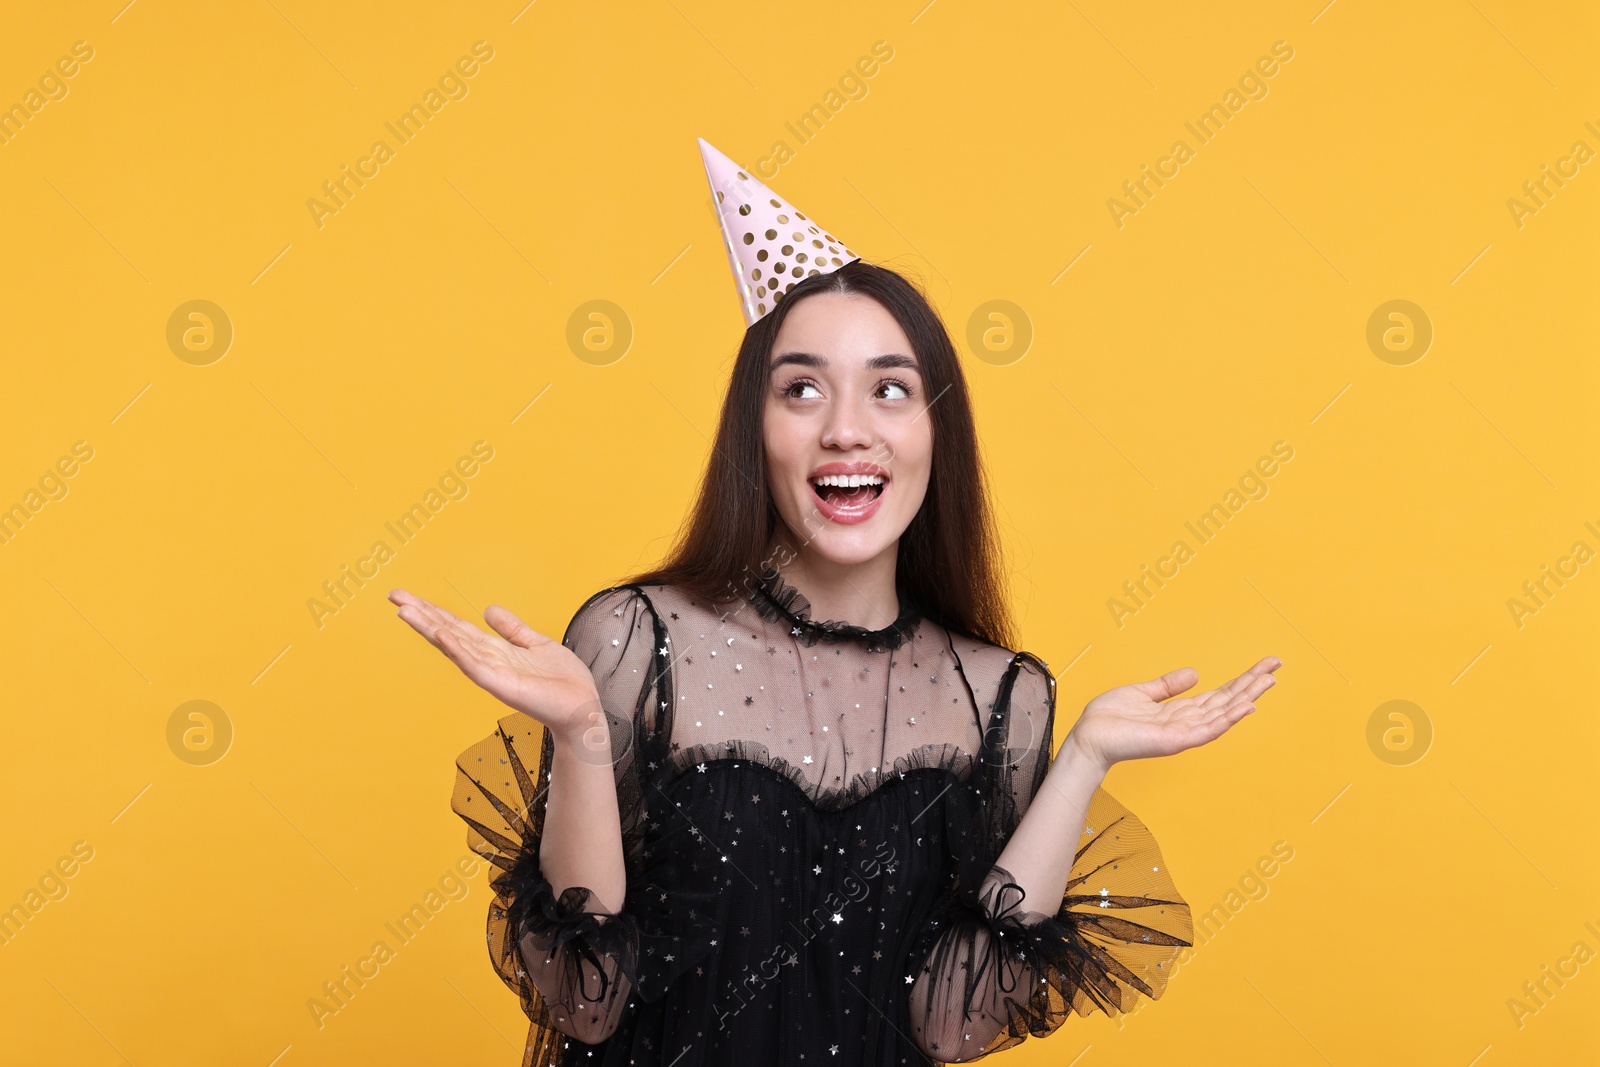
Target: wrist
567, 738
588, 738
1079, 759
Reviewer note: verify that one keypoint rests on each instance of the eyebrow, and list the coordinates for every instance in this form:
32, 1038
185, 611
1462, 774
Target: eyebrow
808, 359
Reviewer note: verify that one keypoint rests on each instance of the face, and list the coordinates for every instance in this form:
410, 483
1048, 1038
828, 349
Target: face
846, 402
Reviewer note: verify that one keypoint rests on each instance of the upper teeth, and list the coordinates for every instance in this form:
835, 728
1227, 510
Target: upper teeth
847, 481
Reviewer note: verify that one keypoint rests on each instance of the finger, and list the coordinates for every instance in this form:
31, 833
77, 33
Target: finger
1218, 699
1221, 695
1170, 684
444, 618
424, 607
419, 622
1263, 667
437, 618
1232, 715
1251, 688
1202, 733
1244, 682
430, 625
1217, 724
1231, 707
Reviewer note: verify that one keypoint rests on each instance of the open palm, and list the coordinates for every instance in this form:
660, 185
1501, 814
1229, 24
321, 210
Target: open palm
1150, 719
522, 667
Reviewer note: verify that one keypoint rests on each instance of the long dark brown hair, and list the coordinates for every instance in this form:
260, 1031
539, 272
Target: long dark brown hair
948, 560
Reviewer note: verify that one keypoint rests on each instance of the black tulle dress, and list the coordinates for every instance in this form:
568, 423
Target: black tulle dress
811, 815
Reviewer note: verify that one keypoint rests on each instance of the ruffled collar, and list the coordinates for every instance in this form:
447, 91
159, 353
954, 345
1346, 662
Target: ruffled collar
778, 601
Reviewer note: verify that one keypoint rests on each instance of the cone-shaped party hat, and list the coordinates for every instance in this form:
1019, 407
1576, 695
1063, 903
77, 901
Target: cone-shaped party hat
771, 246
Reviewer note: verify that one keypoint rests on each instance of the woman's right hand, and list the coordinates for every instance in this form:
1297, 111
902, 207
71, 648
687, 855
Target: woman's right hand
520, 666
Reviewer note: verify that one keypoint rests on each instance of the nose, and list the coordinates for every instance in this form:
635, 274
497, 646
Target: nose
847, 426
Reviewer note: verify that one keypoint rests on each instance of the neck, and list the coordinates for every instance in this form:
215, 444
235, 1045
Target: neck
862, 594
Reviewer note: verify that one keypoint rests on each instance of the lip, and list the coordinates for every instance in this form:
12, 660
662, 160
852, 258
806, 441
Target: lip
858, 467
848, 516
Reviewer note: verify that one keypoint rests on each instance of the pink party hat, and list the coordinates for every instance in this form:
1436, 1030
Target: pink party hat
771, 246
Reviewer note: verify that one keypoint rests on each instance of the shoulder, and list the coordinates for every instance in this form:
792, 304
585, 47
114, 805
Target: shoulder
1033, 685
1031, 669
1000, 676
668, 606
608, 617
983, 660
614, 600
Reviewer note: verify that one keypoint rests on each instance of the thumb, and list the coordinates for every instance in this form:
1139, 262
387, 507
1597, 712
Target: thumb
508, 626
1170, 684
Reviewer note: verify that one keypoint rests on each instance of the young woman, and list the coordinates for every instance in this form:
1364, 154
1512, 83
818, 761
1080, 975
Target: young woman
795, 799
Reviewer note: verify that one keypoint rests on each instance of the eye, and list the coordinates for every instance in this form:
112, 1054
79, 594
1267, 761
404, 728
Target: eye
799, 383
895, 383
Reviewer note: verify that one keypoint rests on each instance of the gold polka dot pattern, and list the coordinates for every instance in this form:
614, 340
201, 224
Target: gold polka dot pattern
770, 244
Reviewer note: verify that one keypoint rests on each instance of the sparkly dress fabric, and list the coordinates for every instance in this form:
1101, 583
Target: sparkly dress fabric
811, 818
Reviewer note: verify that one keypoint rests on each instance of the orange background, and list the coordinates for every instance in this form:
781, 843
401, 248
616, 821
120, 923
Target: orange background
1167, 350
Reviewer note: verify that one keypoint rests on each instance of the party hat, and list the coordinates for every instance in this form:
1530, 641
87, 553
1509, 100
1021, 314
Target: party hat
771, 246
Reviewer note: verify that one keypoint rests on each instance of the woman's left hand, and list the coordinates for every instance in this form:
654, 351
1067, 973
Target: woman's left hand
1150, 718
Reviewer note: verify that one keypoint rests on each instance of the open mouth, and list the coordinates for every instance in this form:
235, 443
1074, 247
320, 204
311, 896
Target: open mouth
848, 492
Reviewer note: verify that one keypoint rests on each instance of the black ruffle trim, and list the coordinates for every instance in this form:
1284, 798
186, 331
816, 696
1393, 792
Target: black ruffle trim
663, 929
945, 757
778, 601
1046, 967
570, 923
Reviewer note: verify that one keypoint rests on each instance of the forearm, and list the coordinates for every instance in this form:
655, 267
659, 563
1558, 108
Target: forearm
582, 842
956, 1015
581, 845
1041, 850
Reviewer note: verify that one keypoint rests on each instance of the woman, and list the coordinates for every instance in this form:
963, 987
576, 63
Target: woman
748, 836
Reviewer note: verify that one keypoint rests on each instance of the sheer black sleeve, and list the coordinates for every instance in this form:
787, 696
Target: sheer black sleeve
574, 967
995, 972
